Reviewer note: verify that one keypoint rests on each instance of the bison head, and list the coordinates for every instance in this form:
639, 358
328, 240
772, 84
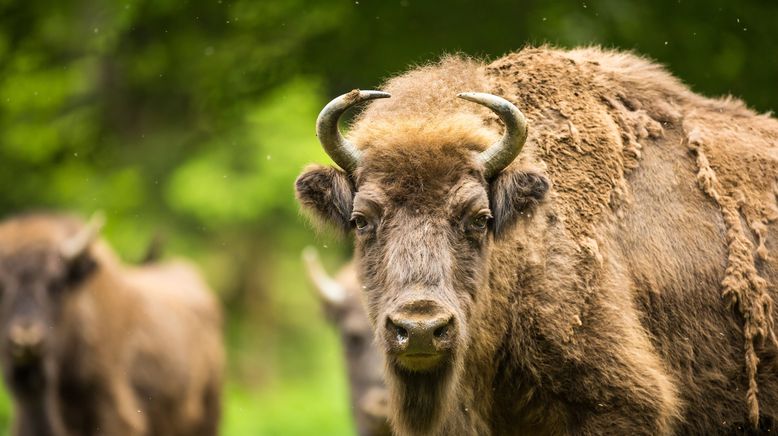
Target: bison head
34, 279
341, 300
425, 209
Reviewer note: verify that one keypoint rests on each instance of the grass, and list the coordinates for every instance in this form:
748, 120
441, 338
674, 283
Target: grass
287, 406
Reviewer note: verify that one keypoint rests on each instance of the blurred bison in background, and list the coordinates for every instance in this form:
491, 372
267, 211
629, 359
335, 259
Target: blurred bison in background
614, 279
90, 346
342, 303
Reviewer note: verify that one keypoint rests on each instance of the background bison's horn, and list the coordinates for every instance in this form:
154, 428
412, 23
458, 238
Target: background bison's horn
500, 154
340, 150
78, 243
329, 290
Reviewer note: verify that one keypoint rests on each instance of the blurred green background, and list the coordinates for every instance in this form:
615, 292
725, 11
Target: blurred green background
191, 119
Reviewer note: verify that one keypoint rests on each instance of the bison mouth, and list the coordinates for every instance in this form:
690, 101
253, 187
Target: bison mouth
422, 387
420, 362
24, 356
27, 379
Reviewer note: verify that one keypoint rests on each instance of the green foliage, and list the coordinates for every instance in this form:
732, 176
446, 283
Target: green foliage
246, 175
192, 119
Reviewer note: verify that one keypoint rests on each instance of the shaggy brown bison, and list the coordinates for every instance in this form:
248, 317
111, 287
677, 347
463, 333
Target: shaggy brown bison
342, 303
90, 346
605, 265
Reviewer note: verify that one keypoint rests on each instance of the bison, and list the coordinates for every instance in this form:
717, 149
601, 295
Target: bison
90, 346
341, 300
578, 244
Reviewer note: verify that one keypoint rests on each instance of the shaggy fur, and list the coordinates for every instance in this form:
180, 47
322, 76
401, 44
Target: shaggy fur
364, 360
635, 297
128, 350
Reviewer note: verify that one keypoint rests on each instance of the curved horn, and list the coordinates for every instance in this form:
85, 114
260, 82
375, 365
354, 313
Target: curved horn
500, 154
78, 243
329, 290
337, 147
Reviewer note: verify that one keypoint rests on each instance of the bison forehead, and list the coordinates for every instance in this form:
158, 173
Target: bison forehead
36, 230
405, 174
32, 263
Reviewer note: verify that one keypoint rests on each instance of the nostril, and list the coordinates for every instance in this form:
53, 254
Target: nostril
402, 334
25, 335
441, 331
399, 332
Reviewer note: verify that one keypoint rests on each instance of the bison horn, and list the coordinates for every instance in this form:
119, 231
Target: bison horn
329, 290
500, 154
78, 243
337, 147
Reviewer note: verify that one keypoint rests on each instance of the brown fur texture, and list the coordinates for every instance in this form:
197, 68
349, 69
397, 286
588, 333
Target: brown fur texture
635, 297
364, 361
128, 350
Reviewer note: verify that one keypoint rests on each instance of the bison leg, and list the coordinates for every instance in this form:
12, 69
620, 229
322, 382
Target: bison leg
211, 411
120, 412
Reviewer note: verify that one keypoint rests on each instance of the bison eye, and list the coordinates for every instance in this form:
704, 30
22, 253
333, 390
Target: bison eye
56, 286
354, 342
360, 222
480, 221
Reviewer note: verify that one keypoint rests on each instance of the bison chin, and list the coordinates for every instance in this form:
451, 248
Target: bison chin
420, 400
27, 380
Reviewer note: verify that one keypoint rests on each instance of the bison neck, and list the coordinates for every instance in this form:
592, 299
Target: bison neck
521, 325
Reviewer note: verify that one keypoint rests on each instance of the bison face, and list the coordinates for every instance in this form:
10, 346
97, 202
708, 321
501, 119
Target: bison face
35, 280
32, 286
341, 299
365, 369
426, 196
424, 221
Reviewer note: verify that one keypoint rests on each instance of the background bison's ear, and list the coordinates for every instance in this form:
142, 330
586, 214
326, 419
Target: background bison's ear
513, 193
80, 268
327, 194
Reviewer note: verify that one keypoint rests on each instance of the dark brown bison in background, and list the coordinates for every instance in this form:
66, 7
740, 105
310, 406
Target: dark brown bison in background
342, 303
615, 277
90, 346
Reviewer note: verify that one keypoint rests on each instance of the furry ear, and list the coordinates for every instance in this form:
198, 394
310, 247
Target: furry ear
80, 268
328, 194
513, 193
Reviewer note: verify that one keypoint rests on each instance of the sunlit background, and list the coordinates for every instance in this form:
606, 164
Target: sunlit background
190, 120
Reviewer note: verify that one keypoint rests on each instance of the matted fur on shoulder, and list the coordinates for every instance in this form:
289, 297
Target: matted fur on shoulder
645, 76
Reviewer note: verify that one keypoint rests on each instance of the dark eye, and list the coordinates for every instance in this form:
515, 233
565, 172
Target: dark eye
480, 221
360, 222
354, 342
56, 286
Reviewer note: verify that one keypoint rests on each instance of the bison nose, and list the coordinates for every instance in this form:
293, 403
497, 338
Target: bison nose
419, 335
26, 335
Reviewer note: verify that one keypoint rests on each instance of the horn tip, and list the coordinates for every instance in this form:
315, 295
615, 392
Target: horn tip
98, 218
356, 95
374, 94
468, 95
74, 246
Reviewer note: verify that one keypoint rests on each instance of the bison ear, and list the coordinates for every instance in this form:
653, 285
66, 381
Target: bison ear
513, 193
80, 268
327, 194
